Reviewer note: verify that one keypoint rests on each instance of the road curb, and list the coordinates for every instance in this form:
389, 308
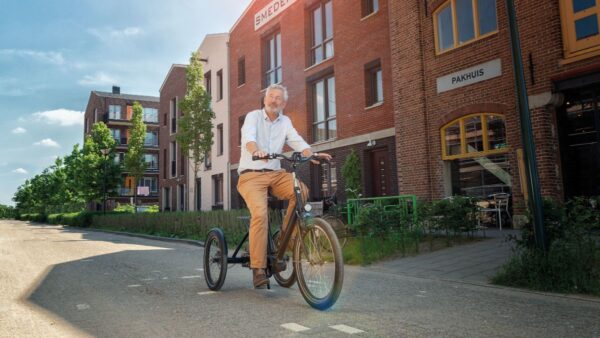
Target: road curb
133, 234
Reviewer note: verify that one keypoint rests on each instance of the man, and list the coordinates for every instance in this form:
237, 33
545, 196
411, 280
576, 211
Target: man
266, 131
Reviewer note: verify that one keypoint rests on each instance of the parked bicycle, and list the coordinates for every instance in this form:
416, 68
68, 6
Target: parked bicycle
316, 258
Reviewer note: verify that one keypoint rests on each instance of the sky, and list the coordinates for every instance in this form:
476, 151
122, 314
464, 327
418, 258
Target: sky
54, 53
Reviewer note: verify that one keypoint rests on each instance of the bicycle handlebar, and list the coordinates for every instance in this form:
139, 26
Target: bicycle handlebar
295, 158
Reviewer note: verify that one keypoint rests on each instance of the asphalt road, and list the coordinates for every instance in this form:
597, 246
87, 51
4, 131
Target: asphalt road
62, 282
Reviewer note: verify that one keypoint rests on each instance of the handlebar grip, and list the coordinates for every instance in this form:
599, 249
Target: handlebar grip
256, 158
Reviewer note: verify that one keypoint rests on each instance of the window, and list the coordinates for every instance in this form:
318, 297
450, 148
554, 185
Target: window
166, 199
116, 134
220, 139
198, 194
151, 139
164, 161
150, 115
220, 85
207, 83
173, 115
241, 71
373, 83
207, 161
150, 182
173, 157
580, 23
369, 7
272, 59
457, 22
119, 158
114, 112
322, 32
474, 150
474, 135
217, 191
151, 161
181, 197
324, 113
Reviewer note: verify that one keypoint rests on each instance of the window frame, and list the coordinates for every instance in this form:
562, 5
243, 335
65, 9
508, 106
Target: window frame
572, 47
368, 7
208, 83
266, 64
220, 139
173, 115
313, 103
220, 85
455, 32
241, 71
463, 143
371, 83
322, 44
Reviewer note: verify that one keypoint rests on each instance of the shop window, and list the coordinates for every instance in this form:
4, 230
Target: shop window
457, 22
272, 59
475, 152
324, 110
322, 32
581, 33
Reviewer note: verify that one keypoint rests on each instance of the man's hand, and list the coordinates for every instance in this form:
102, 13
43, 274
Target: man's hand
322, 156
260, 153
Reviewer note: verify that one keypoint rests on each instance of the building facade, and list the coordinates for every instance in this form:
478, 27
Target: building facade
456, 117
115, 110
334, 58
173, 170
211, 189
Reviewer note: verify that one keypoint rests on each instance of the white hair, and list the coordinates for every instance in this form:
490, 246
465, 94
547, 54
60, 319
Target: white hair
280, 87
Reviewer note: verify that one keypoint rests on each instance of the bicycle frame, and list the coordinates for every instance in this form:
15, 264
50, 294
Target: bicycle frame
289, 228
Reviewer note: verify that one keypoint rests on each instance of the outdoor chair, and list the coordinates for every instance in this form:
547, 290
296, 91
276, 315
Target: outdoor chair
498, 204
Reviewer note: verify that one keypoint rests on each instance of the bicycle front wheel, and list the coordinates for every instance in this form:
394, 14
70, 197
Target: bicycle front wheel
319, 265
215, 259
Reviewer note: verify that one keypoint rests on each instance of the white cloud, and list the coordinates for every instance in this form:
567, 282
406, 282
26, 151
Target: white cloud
20, 171
98, 79
108, 34
47, 142
46, 57
19, 130
62, 117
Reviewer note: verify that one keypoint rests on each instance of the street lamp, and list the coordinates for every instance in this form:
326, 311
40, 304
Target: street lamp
105, 153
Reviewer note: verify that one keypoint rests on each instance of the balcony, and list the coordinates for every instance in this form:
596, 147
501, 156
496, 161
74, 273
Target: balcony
151, 143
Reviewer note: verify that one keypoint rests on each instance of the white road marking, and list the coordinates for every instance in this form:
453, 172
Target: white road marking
165, 278
423, 291
83, 306
134, 286
147, 279
200, 269
295, 327
422, 296
206, 293
188, 277
346, 329
87, 260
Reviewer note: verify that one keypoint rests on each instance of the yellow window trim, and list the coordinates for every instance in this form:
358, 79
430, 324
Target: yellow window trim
463, 138
577, 50
452, 4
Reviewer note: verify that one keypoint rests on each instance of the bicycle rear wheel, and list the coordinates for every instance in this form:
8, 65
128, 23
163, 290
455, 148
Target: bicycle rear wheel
319, 265
287, 277
215, 259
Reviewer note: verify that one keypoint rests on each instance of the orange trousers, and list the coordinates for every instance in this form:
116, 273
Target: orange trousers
254, 187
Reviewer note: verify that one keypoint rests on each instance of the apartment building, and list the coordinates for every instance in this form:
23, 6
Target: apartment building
334, 58
212, 183
174, 167
115, 110
456, 117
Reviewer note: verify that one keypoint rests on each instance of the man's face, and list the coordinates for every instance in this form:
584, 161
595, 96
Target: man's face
274, 102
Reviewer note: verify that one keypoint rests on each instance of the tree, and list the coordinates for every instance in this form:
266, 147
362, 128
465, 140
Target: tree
352, 175
194, 134
96, 173
134, 159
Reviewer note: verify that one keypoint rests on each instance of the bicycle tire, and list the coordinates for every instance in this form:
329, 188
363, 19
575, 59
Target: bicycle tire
215, 259
313, 250
285, 278
339, 228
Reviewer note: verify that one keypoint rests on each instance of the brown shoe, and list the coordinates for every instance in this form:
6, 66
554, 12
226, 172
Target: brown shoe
259, 278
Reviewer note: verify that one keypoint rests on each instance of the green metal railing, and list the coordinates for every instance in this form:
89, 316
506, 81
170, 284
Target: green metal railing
407, 204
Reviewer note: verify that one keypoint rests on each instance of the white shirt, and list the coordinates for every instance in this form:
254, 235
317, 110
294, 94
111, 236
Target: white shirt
270, 136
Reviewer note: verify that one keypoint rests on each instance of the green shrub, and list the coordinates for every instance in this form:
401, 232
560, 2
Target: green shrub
128, 208
572, 261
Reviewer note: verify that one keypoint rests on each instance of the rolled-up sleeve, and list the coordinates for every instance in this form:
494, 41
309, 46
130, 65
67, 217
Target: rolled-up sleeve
293, 139
249, 130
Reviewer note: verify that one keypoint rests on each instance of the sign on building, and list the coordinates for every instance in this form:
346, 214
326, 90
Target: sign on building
270, 11
465, 77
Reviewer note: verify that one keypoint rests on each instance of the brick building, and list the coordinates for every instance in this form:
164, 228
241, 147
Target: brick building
334, 58
115, 110
456, 118
174, 165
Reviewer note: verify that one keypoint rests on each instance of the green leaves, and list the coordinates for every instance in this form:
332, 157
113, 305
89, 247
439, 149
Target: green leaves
351, 173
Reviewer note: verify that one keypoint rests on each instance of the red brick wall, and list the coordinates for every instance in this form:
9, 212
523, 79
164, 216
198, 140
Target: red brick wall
174, 86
